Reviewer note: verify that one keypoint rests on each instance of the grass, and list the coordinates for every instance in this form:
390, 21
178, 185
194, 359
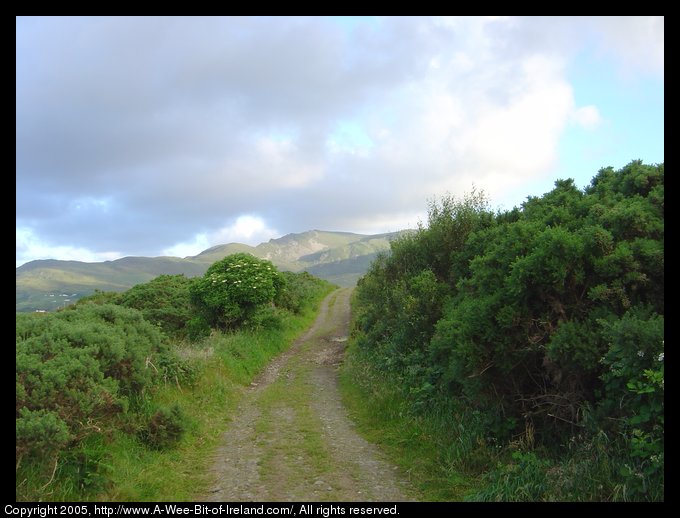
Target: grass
182, 473
431, 449
299, 441
301, 438
177, 474
449, 456
127, 470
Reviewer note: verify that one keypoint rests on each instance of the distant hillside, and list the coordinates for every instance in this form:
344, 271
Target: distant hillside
345, 272
340, 257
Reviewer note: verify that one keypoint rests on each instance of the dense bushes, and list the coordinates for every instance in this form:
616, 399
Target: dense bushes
97, 370
76, 370
547, 319
164, 301
296, 291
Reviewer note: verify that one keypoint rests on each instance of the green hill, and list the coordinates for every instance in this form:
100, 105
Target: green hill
340, 257
345, 272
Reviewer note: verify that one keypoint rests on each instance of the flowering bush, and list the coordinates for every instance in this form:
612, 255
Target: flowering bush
233, 289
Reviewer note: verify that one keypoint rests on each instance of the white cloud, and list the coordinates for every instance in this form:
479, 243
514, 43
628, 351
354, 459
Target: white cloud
188, 123
246, 229
30, 248
588, 117
283, 164
382, 223
636, 41
450, 134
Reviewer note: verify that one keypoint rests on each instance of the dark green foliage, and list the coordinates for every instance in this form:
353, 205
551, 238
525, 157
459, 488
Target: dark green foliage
634, 394
296, 290
234, 289
535, 317
39, 432
77, 370
165, 301
99, 297
197, 328
165, 427
92, 373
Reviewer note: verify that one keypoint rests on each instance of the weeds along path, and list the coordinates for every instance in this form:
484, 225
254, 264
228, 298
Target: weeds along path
290, 438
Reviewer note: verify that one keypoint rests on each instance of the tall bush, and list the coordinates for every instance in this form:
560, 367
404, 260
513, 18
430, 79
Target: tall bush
234, 288
547, 318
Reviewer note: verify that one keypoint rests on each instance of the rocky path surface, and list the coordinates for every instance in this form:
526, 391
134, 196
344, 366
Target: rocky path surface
291, 439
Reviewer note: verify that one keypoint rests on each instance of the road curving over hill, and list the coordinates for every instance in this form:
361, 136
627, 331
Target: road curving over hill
290, 438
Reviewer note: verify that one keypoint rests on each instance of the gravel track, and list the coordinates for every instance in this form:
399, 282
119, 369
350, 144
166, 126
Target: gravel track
290, 438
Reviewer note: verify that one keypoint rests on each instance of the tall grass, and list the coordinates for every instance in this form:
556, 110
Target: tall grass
440, 450
449, 455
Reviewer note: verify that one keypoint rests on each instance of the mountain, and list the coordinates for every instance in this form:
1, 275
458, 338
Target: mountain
339, 257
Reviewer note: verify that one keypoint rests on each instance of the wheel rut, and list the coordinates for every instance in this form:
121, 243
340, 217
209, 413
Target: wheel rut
291, 439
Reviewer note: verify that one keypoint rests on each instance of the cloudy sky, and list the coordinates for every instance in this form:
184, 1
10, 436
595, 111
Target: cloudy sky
165, 136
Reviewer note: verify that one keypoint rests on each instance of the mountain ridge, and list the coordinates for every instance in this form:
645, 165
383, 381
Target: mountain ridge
339, 257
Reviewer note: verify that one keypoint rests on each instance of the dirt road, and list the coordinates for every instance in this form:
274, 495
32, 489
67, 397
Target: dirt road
290, 438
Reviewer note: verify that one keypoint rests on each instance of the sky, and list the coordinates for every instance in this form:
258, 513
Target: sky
165, 136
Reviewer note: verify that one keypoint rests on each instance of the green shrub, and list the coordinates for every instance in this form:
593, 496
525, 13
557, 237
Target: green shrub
634, 394
164, 301
234, 288
535, 317
99, 297
267, 317
77, 369
197, 328
39, 433
297, 290
165, 427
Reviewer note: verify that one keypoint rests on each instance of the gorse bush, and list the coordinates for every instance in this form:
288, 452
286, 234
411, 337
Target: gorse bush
81, 372
98, 372
535, 317
295, 290
164, 301
39, 433
165, 427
